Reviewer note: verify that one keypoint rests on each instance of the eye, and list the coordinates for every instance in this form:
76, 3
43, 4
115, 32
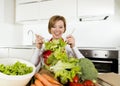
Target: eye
61, 27
53, 27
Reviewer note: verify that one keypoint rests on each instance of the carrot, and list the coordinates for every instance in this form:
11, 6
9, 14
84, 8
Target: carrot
38, 83
43, 80
32, 85
50, 79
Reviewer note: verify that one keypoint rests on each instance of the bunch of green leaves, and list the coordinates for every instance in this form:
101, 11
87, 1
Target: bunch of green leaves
64, 67
55, 44
58, 49
17, 68
66, 70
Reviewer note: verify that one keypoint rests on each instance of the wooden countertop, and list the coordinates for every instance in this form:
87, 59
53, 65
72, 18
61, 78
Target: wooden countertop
109, 79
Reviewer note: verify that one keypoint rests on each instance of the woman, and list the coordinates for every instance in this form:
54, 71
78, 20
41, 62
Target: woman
56, 27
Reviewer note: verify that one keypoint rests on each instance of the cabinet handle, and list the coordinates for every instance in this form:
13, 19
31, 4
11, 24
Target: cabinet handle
28, 2
29, 20
45, 0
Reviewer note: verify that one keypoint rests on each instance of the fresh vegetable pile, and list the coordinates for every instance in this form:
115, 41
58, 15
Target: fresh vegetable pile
69, 71
15, 69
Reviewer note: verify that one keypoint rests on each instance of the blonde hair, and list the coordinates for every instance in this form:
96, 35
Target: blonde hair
53, 20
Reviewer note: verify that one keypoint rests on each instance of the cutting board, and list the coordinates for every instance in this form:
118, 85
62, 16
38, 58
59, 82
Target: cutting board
110, 79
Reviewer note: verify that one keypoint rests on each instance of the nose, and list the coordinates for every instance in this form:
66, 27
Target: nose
57, 29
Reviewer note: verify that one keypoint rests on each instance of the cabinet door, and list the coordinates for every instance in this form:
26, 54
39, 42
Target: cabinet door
25, 54
95, 7
27, 12
3, 52
66, 8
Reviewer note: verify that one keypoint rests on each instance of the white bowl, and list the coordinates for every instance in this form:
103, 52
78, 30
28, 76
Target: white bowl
18, 80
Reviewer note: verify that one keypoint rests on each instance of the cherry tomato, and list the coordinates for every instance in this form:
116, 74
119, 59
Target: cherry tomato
76, 79
75, 84
88, 83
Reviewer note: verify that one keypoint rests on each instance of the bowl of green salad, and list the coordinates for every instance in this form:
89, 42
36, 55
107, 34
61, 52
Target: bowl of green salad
15, 72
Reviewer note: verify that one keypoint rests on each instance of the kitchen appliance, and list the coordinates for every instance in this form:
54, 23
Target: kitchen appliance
105, 61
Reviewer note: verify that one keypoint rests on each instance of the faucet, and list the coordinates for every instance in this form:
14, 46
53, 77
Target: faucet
31, 31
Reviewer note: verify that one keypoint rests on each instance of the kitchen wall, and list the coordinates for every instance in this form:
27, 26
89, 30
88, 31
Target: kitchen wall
87, 34
10, 33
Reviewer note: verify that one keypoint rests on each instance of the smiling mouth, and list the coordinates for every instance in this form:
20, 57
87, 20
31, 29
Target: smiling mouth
56, 34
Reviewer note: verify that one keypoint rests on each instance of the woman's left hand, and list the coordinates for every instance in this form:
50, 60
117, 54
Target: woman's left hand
70, 40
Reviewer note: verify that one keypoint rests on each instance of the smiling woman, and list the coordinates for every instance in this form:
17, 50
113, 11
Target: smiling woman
56, 27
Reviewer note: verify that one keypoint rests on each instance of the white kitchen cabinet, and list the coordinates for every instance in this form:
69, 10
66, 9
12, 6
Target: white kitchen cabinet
1, 10
21, 53
3, 52
27, 12
95, 7
66, 8
38, 10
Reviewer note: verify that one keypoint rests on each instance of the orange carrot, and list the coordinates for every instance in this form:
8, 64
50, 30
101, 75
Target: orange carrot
57, 85
32, 85
50, 79
43, 80
38, 83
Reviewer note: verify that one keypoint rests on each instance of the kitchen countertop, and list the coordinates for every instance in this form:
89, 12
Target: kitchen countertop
81, 48
109, 79
99, 48
18, 46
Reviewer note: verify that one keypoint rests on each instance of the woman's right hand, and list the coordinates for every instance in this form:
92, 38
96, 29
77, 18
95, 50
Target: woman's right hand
39, 41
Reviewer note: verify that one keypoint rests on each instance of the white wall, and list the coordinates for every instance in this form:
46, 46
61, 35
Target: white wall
87, 34
98, 34
10, 33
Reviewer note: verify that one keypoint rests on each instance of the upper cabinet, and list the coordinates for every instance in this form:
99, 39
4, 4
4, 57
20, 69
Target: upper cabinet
94, 9
27, 11
66, 8
38, 10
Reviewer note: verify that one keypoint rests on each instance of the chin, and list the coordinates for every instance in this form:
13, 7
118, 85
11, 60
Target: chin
57, 37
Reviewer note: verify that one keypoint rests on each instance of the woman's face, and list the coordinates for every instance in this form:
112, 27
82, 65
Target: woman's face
58, 29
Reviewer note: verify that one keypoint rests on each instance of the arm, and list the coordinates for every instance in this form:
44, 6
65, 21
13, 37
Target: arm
37, 59
73, 52
77, 53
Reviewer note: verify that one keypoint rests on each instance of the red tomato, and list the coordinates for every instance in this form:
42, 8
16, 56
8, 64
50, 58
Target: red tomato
88, 83
46, 54
71, 84
76, 79
75, 84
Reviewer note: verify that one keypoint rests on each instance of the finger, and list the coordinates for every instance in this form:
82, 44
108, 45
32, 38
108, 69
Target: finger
36, 35
39, 37
69, 36
39, 41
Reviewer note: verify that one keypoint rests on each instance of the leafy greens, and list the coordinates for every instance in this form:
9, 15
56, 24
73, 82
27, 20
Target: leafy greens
17, 68
64, 67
